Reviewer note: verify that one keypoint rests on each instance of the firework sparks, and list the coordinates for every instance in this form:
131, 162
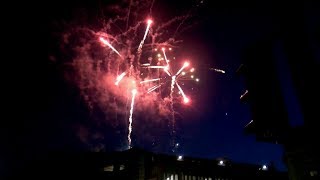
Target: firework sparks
134, 92
185, 98
165, 56
119, 78
150, 80
186, 64
149, 22
96, 71
108, 44
153, 88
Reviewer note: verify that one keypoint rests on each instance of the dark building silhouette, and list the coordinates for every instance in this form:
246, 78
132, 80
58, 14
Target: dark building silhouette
137, 164
280, 73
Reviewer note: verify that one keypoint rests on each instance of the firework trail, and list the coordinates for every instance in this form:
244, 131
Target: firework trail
173, 80
119, 78
153, 88
186, 64
185, 99
165, 56
150, 80
134, 92
149, 22
108, 44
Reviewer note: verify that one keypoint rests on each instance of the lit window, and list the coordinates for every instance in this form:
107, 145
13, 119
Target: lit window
108, 168
122, 167
313, 173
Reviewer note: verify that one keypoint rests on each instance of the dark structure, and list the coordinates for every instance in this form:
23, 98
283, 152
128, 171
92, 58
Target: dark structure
280, 72
137, 164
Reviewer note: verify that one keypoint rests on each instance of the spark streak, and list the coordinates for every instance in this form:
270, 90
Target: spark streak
185, 98
165, 56
186, 64
145, 35
108, 44
219, 70
166, 70
150, 80
153, 88
173, 119
119, 78
134, 92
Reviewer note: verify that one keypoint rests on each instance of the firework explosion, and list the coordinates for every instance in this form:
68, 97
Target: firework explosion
124, 67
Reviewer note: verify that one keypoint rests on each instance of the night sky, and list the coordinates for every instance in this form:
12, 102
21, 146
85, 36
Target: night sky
53, 116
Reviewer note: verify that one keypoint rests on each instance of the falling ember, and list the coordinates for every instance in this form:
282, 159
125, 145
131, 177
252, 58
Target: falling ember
183, 73
197, 80
185, 98
134, 92
192, 70
192, 76
108, 44
150, 80
186, 64
149, 22
119, 78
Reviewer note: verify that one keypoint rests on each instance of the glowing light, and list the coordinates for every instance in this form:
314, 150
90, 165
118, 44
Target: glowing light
186, 100
170, 49
186, 64
192, 70
183, 73
192, 76
149, 80
108, 44
264, 167
180, 158
134, 92
159, 55
155, 49
221, 162
149, 21
197, 80
119, 78
163, 49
